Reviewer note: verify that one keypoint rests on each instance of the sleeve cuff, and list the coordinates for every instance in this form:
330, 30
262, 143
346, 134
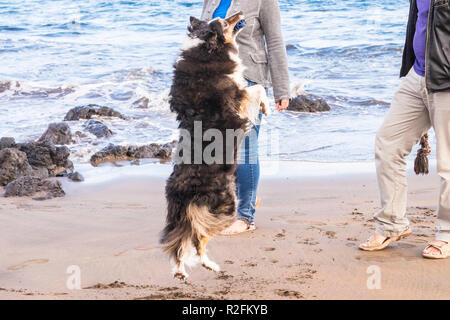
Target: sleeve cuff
282, 97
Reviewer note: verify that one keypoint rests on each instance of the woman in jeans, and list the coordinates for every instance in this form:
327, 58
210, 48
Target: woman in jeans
263, 53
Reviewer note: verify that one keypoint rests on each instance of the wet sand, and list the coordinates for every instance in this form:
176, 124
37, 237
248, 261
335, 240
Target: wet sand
305, 245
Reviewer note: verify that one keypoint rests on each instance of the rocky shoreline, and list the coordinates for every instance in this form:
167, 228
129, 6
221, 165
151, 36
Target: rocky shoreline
33, 168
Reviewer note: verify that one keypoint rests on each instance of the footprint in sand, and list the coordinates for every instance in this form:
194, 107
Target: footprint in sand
249, 265
224, 276
309, 242
281, 235
289, 293
26, 263
330, 234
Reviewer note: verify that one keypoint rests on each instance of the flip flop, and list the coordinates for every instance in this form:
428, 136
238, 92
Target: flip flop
376, 246
443, 249
250, 227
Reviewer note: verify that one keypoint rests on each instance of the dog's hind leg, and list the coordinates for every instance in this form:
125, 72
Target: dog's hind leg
206, 262
181, 258
180, 270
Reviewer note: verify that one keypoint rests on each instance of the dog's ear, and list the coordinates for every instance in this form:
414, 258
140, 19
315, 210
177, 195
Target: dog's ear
216, 36
217, 29
194, 23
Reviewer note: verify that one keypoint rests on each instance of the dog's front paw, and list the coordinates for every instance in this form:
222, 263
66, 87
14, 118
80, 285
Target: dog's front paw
265, 104
265, 108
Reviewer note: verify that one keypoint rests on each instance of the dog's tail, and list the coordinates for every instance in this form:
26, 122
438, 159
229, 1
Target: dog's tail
180, 238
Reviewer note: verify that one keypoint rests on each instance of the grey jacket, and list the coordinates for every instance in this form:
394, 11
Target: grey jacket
261, 45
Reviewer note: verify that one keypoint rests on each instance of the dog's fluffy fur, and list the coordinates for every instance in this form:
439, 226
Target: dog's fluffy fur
208, 86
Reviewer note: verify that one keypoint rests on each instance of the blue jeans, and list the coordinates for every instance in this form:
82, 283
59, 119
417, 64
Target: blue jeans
247, 173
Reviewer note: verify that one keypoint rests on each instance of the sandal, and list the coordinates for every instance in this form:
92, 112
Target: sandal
376, 246
443, 249
250, 227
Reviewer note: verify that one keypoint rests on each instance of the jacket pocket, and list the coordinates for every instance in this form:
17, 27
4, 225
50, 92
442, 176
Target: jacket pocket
259, 58
441, 16
260, 69
441, 3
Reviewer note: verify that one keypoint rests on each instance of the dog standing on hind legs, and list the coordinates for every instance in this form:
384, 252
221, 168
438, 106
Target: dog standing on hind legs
208, 88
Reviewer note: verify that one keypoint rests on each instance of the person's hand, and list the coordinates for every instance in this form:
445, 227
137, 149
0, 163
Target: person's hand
282, 104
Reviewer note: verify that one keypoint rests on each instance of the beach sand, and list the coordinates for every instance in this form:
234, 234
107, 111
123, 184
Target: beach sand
305, 245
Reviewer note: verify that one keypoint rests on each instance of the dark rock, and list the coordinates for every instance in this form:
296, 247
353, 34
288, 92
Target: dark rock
87, 112
4, 86
113, 153
141, 103
46, 154
57, 133
7, 142
8, 85
76, 176
40, 172
64, 173
13, 164
29, 186
308, 103
39, 154
97, 128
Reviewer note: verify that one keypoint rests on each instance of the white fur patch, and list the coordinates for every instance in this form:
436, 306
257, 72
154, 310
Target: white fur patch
208, 264
257, 95
190, 43
213, 20
238, 74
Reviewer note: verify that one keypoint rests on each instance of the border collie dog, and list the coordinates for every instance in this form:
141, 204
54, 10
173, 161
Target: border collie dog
208, 94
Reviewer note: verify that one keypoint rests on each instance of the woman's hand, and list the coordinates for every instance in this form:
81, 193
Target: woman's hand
282, 104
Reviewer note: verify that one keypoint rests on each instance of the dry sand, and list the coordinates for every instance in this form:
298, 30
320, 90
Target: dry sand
305, 246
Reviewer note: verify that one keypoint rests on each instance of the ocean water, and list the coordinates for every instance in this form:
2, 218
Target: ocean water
56, 55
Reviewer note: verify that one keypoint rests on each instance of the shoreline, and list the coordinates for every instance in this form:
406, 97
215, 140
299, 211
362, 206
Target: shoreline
269, 170
305, 245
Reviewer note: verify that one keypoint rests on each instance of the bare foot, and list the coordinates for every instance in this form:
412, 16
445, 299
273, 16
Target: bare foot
434, 251
239, 226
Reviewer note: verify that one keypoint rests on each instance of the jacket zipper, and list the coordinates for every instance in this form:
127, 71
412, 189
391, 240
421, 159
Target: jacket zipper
427, 44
